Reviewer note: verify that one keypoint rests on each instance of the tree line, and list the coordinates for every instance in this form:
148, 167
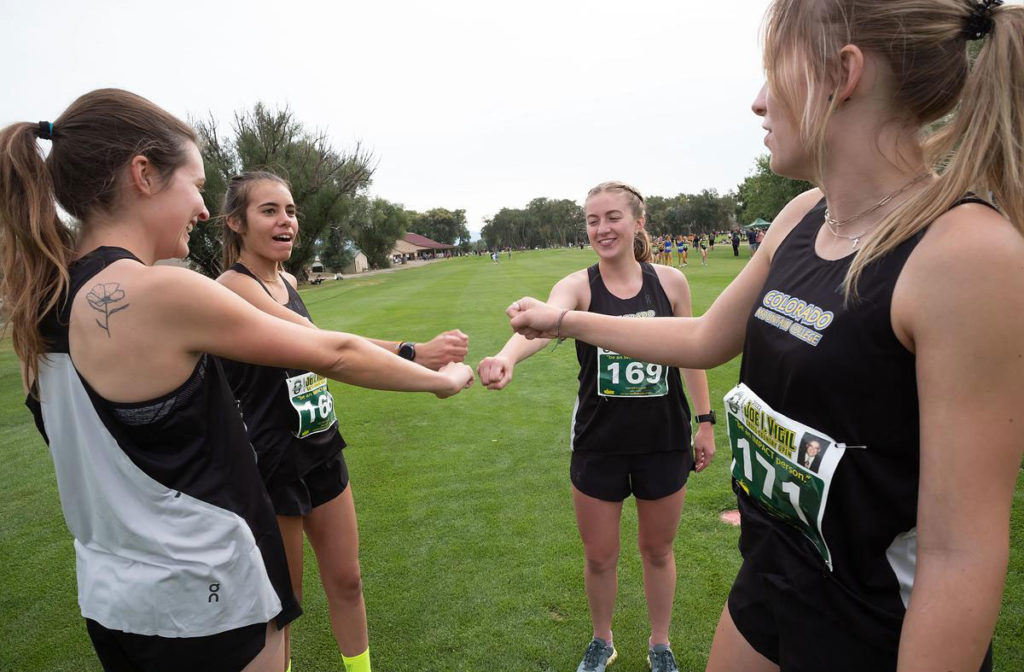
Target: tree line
330, 188
547, 223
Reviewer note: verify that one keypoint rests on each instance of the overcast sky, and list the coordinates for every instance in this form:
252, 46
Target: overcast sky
465, 104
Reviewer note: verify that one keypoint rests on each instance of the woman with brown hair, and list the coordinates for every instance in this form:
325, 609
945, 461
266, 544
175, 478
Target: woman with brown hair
179, 559
289, 414
877, 321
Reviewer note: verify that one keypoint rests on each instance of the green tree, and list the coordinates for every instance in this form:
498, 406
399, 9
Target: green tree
322, 178
444, 226
710, 212
376, 230
763, 193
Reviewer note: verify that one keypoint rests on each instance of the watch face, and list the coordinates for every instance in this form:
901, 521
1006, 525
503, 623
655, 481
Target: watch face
407, 351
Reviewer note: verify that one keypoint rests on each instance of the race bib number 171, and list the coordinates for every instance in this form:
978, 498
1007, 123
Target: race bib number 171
785, 466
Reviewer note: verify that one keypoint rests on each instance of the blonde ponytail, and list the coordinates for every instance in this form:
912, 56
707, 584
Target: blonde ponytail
979, 149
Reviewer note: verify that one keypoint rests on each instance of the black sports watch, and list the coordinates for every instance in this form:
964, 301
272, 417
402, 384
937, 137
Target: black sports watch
710, 417
407, 350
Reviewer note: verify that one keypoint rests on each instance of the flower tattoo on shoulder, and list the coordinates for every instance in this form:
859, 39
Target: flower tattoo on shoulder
103, 297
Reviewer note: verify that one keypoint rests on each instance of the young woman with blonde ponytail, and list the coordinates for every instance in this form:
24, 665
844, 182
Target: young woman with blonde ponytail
179, 559
631, 424
880, 328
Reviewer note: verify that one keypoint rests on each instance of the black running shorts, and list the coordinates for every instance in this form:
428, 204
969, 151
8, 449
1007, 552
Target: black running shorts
613, 478
318, 486
228, 651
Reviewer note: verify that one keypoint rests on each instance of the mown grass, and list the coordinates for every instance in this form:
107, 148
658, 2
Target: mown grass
470, 555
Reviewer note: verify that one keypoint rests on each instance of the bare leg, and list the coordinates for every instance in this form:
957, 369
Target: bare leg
598, 523
334, 535
730, 652
291, 533
657, 522
272, 658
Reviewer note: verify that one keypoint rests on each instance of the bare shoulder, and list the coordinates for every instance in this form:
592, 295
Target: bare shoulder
291, 280
677, 289
970, 239
671, 279
969, 264
572, 291
172, 284
669, 275
233, 280
575, 281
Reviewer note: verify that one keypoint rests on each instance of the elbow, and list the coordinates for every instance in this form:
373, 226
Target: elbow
339, 357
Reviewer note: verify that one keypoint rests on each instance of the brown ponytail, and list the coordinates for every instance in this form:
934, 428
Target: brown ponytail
642, 245
35, 245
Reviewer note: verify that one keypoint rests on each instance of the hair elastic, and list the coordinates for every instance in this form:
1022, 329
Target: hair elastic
45, 130
979, 22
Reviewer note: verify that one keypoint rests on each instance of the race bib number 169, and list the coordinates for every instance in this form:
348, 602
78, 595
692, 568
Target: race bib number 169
621, 376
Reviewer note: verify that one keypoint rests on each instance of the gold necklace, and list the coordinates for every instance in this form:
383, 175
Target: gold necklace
855, 237
263, 280
835, 224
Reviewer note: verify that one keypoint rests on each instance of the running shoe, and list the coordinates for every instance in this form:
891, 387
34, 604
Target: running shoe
660, 659
599, 655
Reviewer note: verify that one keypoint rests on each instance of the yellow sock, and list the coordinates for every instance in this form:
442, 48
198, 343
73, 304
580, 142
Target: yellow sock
289, 669
360, 663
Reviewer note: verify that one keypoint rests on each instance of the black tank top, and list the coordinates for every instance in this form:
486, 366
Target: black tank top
152, 531
628, 406
840, 369
272, 421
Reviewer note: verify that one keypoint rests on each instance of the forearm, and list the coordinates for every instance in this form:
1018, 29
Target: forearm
519, 348
390, 346
953, 610
365, 363
697, 387
673, 341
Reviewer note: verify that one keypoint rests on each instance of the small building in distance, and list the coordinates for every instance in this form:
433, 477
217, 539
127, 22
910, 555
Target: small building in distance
358, 264
414, 247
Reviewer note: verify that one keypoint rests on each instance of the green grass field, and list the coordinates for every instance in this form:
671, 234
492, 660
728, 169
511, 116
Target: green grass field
471, 560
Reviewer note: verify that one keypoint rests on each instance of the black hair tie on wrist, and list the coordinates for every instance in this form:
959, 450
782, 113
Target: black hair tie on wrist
45, 130
979, 22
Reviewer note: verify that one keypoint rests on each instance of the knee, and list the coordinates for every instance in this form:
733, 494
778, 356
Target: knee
343, 584
601, 561
657, 555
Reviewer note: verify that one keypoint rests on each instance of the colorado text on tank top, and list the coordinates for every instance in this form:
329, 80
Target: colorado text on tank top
174, 533
621, 425
846, 374
270, 419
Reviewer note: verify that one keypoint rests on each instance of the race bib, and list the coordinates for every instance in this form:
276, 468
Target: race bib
622, 376
313, 402
787, 467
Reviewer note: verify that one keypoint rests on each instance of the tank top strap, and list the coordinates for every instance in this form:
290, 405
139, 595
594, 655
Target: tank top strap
971, 197
84, 269
801, 237
238, 267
